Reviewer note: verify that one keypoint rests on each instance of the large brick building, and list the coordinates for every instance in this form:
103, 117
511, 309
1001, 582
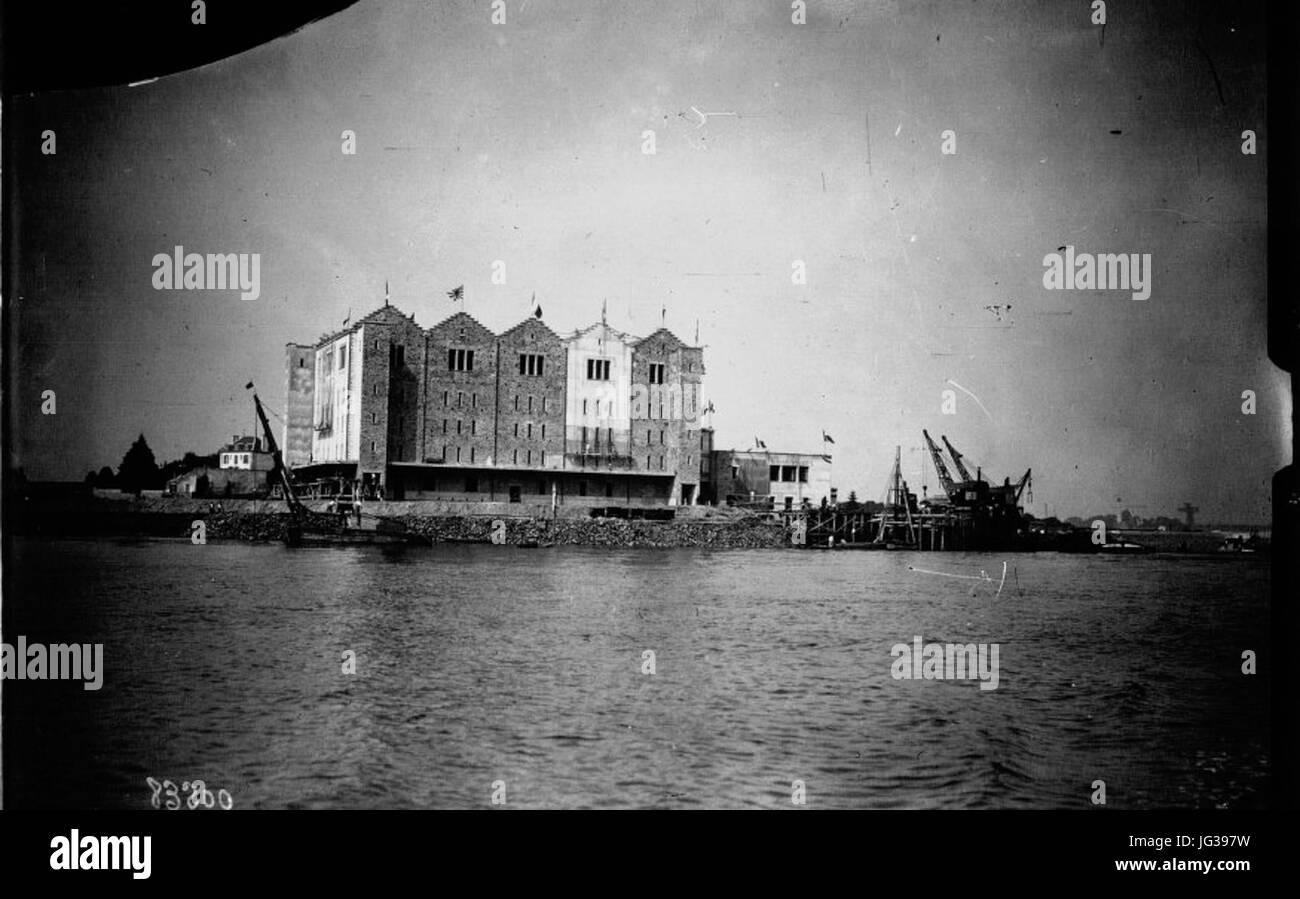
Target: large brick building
457, 412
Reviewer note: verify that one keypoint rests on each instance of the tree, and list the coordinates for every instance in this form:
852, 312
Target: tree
139, 470
105, 478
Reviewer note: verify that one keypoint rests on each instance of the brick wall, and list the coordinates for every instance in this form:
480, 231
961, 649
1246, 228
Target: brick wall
531, 407
460, 403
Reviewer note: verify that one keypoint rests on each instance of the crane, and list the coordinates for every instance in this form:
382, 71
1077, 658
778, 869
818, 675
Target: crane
1020, 487
940, 468
280, 470
956, 459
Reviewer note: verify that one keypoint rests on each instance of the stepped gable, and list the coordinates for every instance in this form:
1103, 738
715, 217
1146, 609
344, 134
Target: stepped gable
663, 335
530, 322
465, 317
382, 315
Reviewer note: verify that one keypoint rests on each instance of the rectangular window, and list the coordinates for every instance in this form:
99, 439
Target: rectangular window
609, 437
661, 438
460, 400
774, 472
473, 426
543, 405
584, 407
457, 454
471, 454
584, 438
444, 426
444, 399
516, 402
735, 472
374, 418
376, 390
543, 461
458, 424
530, 457
530, 430
460, 360
515, 458
803, 474
648, 441
656, 372
372, 446
543, 432
597, 369
661, 463
647, 463
473, 400
530, 364
516, 429
343, 357
530, 405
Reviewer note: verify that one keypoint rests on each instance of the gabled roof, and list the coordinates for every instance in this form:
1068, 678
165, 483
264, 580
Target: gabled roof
533, 323
663, 335
612, 333
464, 320
382, 315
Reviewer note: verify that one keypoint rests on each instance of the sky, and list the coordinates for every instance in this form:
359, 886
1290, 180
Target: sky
820, 149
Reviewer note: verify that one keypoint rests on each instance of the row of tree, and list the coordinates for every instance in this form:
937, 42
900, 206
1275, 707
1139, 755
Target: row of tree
140, 470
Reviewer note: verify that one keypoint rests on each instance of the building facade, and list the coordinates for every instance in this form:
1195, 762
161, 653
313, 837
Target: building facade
767, 479
457, 412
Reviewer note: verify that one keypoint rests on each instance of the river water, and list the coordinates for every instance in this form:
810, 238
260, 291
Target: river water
483, 669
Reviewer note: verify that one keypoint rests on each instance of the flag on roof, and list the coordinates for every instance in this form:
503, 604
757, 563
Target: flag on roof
457, 294
827, 437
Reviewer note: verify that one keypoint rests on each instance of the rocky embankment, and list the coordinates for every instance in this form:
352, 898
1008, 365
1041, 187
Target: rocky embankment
611, 532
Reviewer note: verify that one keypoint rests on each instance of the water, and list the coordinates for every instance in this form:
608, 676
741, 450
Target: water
477, 664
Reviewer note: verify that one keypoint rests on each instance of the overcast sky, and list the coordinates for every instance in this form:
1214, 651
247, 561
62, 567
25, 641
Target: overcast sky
523, 143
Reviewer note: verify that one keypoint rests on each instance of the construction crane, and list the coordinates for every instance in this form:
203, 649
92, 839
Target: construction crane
940, 468
956, 459
1020, 487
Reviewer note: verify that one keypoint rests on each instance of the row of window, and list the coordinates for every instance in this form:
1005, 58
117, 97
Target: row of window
530, 364
786, 474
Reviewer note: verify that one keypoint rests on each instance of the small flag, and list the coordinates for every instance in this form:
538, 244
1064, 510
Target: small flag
457, 294
385, 291
760, 444
348, 319
827, 437
537, 313
248, 386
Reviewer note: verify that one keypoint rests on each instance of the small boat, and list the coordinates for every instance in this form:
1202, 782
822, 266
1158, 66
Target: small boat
1121, 548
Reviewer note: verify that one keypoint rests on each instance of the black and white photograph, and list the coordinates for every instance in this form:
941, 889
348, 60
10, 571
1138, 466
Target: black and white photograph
854, 405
